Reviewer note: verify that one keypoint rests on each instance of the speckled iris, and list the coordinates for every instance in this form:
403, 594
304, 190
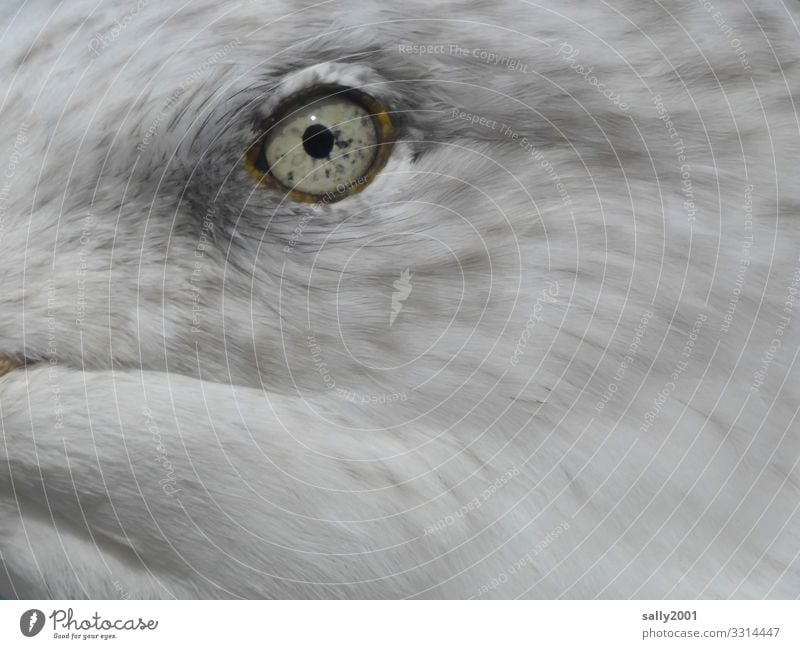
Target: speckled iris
327, 144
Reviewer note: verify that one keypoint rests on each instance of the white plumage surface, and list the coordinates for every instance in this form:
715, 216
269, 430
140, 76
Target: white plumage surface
549, 352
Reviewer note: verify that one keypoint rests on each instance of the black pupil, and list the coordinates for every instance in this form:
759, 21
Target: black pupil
318, 141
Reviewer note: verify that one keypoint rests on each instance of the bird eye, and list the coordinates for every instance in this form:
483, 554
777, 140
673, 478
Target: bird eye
324, 145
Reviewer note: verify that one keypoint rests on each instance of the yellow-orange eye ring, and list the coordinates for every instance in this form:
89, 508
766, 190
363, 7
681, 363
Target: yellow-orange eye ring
323, 145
